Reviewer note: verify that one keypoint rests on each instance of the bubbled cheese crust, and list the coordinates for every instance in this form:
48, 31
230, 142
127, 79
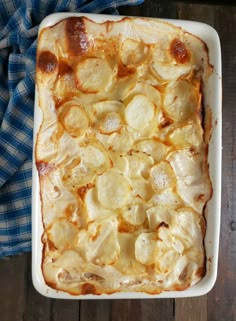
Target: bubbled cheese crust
122, 156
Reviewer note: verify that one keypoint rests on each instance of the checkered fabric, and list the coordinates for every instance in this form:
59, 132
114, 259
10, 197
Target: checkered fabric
19, 20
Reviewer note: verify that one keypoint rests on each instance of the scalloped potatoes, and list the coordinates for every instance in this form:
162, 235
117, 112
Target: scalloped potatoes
122, 156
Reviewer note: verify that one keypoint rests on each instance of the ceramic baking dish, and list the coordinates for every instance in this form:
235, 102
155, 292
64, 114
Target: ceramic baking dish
212, 99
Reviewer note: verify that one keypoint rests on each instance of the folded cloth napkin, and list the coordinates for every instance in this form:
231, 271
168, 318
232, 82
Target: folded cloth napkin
19, 20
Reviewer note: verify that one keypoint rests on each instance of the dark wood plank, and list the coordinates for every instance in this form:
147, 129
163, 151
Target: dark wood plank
194, 309
99, 310
37, 307
13, 287
143, 310
152, 8
197, 12
65, 310
222, 300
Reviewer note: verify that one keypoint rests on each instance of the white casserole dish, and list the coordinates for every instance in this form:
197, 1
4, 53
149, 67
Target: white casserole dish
212, 99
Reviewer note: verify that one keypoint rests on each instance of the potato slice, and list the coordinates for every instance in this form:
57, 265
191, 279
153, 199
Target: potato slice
113, 189
74, 120
196, 194
94, 157
139, 112
133, 52
63, 234
119, 161
99, 243
143, 88
93, 75
119, 142
162, 176
167, 198
188, 167
134, 213
108, 106
127, 262
168, 71
189, 224
95, 211
141, 188
157, 215
125, 81
111, 123
166, 65
186, 136
146, 247
180, 100
153, 147
139, 165
78, 176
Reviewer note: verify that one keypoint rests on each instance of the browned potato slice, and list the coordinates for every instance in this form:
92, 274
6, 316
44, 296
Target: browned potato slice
74, 120
93, 75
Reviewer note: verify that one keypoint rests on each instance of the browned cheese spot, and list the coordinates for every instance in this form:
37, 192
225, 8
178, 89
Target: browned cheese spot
183, 275
82, 191
64, 68
162, 224
77, 41
88, 288
201, 271
47, 62
69, 210
124, 71
125, 227
179, 51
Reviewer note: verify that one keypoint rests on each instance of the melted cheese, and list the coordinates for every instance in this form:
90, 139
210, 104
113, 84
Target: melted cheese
121, 156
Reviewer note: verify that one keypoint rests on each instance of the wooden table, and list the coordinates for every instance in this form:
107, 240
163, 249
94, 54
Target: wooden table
20, 302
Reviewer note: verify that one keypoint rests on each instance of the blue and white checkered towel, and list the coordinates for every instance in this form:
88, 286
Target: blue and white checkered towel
19, 20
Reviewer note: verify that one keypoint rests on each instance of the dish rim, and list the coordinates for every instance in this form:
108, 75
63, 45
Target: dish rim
211, 38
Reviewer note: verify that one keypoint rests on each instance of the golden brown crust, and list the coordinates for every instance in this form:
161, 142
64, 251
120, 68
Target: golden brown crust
179, 51
47, 62
77, 40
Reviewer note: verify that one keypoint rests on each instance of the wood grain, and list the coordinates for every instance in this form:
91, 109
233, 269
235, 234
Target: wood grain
142, 310
194, 309
13, 287
65, 310
222, 300
152, 8
37, 307
99, 310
